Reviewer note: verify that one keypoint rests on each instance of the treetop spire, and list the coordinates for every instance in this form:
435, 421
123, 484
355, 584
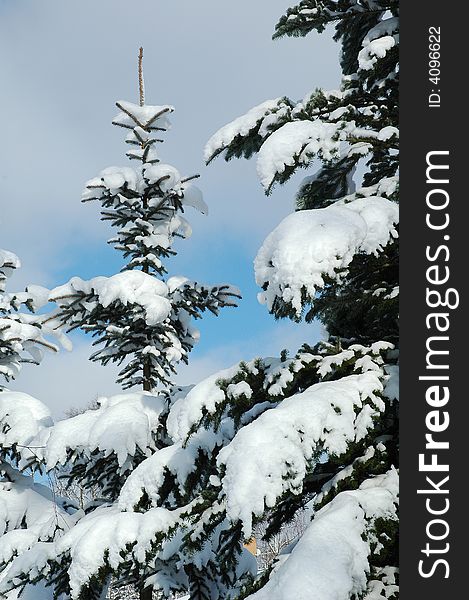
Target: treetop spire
141, 82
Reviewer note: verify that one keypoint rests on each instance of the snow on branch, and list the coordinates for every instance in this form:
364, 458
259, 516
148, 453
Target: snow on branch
127, 288
147, 117
24, 421
296, 143
311, 246
104, 538
257, 121
326, 417
29, 513
338, 543
121, 424
8, 263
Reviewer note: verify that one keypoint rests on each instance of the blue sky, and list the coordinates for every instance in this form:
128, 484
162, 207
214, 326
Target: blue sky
63, 65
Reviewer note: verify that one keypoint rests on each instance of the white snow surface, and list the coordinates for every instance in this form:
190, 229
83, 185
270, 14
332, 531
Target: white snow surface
34, 592
24, 503
29, 512
118, 426
383, 28
295, 141
22, 418
373, 50
167, 176
106, 530
145, 117
9, 259
204, 396
326, 417
20, 334
334, 544
149, 475
115, 178
128, 287
193, 197
311, 244
240, 126
109, 530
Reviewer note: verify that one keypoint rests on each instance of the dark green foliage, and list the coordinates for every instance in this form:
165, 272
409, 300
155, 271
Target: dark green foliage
124, 335
364, 308
331, 182
359, 304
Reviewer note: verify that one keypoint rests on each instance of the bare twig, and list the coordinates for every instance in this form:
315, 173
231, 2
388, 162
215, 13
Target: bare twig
141, 83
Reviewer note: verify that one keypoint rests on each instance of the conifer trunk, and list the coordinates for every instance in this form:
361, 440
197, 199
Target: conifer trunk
147, 593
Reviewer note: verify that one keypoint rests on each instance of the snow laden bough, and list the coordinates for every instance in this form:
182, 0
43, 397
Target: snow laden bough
192, 503
323, 249
312, 247
100, 447
23, 335
30, 512
338, 543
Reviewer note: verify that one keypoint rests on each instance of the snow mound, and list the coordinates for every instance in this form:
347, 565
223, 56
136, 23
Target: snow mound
147, 116
128, 287
326, 417
204, 396
149, 475
336, 544
9, 259
29, 509
120, 425
109, 532
193, 197
310, 245
240, 126
296, 141
29, 513
106, 533
373, 50
113, 179
22, 419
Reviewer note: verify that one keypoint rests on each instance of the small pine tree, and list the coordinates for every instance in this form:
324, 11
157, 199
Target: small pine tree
142, 321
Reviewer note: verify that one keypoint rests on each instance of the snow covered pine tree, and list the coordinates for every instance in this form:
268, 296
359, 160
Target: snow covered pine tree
329, 440
29, 511
144, 323
266, 438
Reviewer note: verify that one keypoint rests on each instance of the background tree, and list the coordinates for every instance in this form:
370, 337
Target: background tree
22, 334
143, 321
29, 511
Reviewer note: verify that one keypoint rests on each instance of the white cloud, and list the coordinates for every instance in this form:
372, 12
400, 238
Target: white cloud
65, 64
67, 379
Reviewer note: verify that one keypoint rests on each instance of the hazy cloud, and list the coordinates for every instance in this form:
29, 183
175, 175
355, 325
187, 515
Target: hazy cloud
63, 65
